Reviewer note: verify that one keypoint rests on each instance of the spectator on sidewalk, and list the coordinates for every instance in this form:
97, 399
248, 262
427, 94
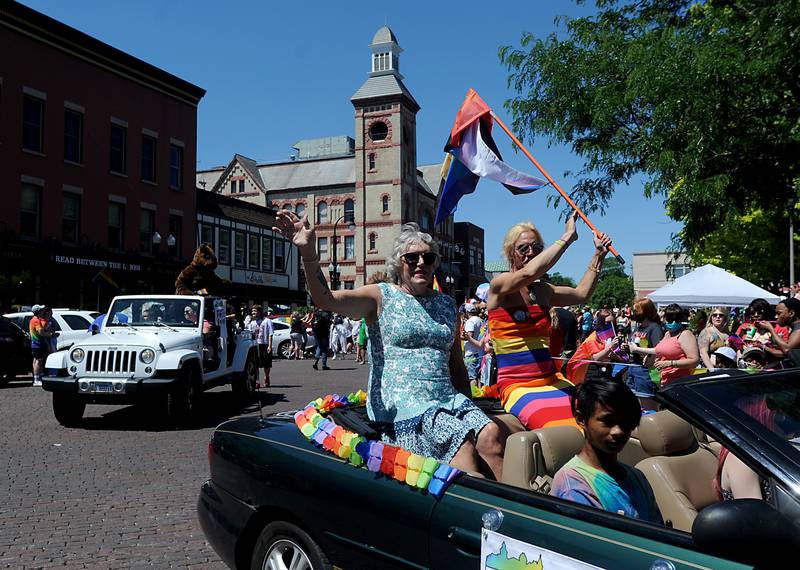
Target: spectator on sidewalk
473, 347
322, 328
262, 330
41, 333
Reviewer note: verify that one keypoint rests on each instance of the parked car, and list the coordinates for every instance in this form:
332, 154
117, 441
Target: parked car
72, 324
274, 498
282, 343
15, 351
167, 346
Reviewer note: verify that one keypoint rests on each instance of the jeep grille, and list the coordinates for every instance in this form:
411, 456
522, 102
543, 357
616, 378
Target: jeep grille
111, 361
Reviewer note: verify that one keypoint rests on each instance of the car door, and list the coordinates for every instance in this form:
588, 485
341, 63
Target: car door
589, 535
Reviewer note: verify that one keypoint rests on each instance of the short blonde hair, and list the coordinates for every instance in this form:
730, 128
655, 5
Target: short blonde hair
513, 235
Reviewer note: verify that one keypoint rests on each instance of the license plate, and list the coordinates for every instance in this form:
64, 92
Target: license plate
102, 387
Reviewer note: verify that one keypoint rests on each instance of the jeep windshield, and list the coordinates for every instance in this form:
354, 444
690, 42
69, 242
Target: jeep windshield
154, 312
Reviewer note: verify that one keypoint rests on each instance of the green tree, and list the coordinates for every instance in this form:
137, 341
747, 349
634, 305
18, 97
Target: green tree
613, 290
699, 97
558, 279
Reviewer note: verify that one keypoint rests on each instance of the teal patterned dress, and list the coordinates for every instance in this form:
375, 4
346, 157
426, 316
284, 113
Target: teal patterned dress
410, 389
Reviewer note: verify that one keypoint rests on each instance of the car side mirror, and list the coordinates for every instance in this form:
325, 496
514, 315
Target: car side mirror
746, 530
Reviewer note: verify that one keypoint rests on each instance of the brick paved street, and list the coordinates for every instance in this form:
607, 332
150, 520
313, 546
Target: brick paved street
120, 491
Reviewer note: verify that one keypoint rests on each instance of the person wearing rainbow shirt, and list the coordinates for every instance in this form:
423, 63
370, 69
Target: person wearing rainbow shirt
41, 336
519, 321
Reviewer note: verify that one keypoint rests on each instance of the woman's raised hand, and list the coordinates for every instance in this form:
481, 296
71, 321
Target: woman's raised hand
602, 242
297, 230
570, 232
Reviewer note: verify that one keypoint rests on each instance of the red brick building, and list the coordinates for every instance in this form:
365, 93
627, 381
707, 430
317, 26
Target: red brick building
97, 156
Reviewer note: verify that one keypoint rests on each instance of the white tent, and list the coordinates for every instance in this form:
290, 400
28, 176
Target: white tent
709, 285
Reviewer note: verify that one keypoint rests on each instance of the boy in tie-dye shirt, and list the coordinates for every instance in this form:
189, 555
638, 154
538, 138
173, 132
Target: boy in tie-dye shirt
608, 412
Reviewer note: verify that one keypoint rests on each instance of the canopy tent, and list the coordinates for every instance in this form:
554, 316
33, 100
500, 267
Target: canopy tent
709, 285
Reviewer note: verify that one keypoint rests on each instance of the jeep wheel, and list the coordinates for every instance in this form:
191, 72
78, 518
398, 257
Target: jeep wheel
244, 384
285, 348
68, 409
283, 545
184, 398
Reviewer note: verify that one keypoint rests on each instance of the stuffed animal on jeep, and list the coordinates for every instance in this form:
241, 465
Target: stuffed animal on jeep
198, 278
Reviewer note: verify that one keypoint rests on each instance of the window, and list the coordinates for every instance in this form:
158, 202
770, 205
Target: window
233, 186
148, 158
224, 250
147, 227
71, 219
480, 261
385, 204
372, 242
372, 161
425, 223
239, 247
253, 253
380, 62
73, 136
33, 124
176, 168
241, 186
76, 322
116, 226
207, 234
349, 211
280, 252
378, 131
676, 270
349, 247
266, 253
176, 231
322, 213
118, 136
288, 207
300, 210
322, 247
349, 285
30, 212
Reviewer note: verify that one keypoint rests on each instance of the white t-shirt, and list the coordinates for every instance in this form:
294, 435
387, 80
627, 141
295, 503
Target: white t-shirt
261, 330
473, 325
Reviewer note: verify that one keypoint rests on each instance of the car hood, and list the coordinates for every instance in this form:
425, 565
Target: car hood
167, 338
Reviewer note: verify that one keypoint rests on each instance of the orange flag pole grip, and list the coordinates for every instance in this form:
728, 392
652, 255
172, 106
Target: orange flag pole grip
553, 182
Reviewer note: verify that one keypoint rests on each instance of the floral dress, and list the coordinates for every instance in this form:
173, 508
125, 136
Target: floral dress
410, 389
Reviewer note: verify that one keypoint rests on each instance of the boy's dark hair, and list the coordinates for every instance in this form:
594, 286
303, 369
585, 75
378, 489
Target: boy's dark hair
675, 312
609, 393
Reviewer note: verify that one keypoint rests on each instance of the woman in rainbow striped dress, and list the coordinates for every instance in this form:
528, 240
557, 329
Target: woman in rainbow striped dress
519, 320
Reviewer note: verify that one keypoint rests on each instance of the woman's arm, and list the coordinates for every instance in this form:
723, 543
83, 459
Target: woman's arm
689, 346
783, 346
702, 345
355, 303
577, 295
458, 372
742, 481
512, 281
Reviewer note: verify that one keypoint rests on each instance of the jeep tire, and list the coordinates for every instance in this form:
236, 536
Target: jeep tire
244, 383
183, 399
68, 409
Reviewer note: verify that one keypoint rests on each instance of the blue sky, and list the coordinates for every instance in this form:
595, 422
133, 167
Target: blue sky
277, 72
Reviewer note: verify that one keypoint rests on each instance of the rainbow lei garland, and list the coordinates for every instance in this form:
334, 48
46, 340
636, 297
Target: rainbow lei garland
393, 461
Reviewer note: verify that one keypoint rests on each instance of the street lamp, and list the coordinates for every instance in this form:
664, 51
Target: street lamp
333, 268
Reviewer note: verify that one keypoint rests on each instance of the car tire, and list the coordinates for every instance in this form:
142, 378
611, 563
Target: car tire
284, 349
184, 397
68, 409
244, 385
284, 542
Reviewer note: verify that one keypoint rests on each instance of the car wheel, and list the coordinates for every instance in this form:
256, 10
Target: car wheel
285, 348
68, 409
244, 385
183, 398
283, 545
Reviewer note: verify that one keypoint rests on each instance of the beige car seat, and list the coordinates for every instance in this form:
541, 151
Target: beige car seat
680, 471
533, 457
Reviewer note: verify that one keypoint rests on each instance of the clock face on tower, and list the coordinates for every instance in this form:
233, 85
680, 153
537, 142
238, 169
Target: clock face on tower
378, 131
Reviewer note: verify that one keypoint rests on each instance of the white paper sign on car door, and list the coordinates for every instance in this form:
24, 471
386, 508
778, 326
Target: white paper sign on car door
500, 552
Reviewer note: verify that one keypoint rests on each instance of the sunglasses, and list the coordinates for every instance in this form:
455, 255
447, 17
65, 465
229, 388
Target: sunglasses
526, 248
722, 315
428, 258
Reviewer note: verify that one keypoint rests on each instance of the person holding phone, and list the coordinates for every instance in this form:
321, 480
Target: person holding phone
787, 314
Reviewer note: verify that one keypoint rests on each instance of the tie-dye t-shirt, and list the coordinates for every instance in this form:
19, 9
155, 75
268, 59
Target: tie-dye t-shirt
36, 328
631, 495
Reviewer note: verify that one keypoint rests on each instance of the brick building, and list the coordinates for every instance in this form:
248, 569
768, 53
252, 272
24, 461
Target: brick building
372, 177
97, 155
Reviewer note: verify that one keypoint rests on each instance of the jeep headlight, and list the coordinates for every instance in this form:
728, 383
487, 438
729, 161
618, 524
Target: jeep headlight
148, 355
77, 355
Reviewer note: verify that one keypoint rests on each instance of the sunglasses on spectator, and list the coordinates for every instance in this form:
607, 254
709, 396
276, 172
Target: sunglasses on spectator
722, 315
526, 248
412, 258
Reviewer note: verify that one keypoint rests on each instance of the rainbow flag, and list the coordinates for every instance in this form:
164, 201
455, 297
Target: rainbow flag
436, 285
605, 332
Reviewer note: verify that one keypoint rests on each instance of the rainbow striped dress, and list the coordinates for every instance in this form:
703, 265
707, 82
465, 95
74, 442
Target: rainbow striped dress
527, 381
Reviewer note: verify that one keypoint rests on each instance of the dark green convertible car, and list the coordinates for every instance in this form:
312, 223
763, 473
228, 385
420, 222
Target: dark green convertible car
275, 501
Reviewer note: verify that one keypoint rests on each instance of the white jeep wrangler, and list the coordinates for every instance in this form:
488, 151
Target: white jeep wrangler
175, 346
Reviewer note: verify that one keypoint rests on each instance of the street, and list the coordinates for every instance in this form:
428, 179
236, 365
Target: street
120, 492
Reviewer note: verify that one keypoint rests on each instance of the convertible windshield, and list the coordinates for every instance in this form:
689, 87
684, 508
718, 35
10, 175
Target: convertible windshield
772, 402
154, 312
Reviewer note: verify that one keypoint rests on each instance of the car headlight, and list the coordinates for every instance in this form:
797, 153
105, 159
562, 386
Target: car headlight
148, 355
77, 355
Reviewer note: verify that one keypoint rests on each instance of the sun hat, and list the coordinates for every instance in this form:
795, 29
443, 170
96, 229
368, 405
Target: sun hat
727, 352
752, 351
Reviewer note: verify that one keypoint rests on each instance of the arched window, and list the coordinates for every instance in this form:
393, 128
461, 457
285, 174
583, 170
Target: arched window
385, 204
372, 242
322, 213
287, 207
300, 210
372, 161
349, 211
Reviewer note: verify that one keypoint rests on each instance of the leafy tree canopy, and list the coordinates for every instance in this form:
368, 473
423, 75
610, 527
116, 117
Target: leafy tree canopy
699, 97
558, 279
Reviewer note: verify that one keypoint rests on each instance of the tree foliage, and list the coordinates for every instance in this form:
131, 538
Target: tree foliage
558, 279
614, 286
699, 97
